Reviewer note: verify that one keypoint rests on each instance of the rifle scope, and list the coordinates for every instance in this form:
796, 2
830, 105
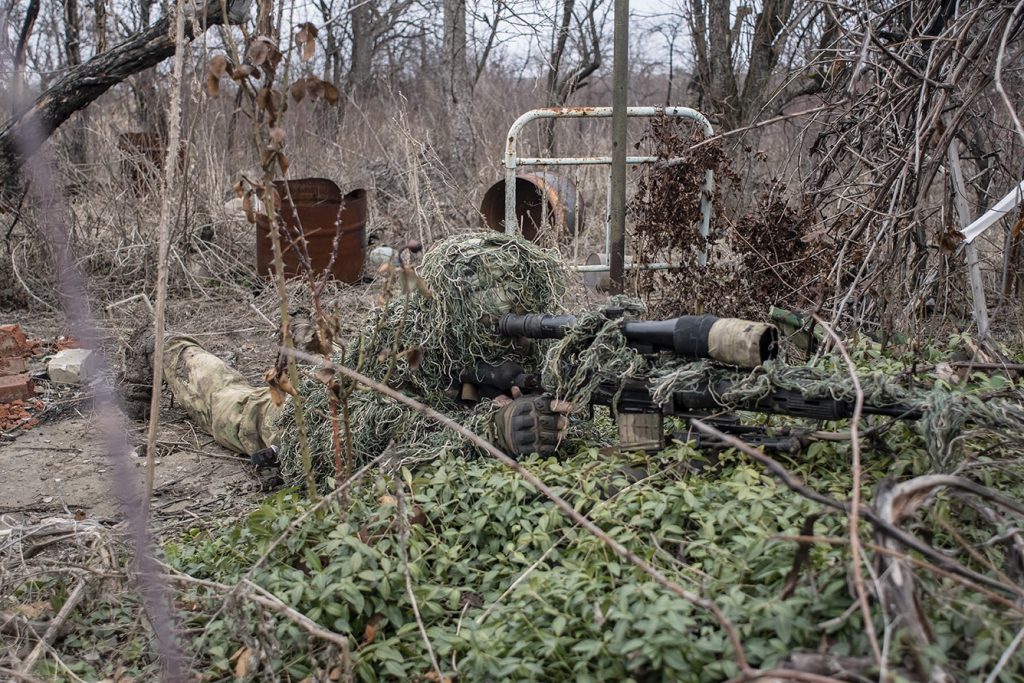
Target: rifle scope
742, 343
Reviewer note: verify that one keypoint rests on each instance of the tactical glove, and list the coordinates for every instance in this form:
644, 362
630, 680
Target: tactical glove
532, 424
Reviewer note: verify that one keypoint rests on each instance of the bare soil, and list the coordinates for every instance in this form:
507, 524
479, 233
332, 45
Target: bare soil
62, 465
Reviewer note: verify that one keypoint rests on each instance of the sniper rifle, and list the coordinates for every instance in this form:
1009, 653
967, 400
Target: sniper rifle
739, 343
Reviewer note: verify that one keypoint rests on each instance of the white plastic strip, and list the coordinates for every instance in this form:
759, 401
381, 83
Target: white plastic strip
1000, 210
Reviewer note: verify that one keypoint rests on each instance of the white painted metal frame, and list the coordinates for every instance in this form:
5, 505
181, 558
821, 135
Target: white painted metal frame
513, 162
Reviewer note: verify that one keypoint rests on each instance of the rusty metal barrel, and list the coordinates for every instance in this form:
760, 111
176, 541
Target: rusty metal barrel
536, 194
315, 209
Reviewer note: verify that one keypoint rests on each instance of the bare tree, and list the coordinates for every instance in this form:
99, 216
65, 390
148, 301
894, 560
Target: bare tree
456, 85
736, 51
579, 27
374, 23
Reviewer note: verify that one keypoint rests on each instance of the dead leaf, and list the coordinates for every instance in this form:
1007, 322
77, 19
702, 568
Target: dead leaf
1018, 226
243, 667
415, 356
250, 215
218, 65
422, 286
239, 189
280, 385
267, 160
325, 375
262, 50
277, 136
949, 240
370, 631
306, 40
314, 87
331, 92
282, 161
262, 98
245, 71
298, 90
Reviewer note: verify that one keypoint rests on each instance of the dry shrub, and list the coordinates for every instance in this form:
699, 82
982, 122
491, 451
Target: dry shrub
762, 249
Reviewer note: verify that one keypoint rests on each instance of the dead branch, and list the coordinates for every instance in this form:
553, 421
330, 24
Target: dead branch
55, 626
855, 549
886, 527
82, 84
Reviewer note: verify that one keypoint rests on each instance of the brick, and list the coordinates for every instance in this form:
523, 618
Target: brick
16, 387
14, 342
12, 365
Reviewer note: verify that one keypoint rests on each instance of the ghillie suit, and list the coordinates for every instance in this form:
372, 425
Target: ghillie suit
418, 342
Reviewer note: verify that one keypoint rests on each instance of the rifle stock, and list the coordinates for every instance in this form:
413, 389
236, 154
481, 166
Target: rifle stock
634, 396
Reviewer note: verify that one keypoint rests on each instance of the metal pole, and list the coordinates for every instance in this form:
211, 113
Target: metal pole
620, 87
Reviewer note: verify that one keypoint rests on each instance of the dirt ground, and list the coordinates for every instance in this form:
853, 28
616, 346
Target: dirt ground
61, 465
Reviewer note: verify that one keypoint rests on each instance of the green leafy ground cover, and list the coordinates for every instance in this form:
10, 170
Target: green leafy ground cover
509, 589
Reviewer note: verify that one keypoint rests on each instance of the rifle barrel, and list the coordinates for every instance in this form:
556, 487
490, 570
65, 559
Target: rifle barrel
742, 343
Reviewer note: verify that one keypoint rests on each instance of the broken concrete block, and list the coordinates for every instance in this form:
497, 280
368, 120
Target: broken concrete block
70, 366
16, 388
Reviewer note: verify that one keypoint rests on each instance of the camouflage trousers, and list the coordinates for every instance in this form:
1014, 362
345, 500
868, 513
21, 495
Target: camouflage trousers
237, 415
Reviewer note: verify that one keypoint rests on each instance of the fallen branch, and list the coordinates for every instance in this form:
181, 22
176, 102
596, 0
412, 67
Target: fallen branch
878, 522
55, 626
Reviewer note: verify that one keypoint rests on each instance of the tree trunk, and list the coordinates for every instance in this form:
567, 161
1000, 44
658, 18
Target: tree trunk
25, 132
76, 142
151, 114
360, 73
100, 8
458, 96
21, 53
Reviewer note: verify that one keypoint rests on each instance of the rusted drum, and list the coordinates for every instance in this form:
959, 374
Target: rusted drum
316, 209
534, 193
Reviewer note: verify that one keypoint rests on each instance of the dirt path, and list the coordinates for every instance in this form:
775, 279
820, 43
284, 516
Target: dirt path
63, 464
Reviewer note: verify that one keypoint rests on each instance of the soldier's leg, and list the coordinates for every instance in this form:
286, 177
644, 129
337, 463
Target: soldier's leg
237, 415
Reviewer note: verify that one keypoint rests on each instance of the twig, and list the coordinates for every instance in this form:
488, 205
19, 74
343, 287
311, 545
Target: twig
163, 232
297, 524
55, 625
19, 675
795, 485
732, 635
855, 548
1005, 658
261, 596
403, 538
140, 295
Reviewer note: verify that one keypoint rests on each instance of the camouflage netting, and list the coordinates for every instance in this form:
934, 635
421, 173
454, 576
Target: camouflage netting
595, 351
419, 342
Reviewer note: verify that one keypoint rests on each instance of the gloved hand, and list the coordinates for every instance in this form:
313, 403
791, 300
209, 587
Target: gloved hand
531, 424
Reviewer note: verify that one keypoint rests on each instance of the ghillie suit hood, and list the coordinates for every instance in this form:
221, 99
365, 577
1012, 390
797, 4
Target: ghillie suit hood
431, 327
